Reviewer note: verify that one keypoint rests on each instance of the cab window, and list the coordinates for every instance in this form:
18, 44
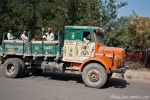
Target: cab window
86, 37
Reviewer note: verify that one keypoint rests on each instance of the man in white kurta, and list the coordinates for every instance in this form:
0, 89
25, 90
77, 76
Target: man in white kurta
10, 35
23, 36
49, 35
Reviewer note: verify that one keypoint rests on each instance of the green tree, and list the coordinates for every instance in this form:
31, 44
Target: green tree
138, 32
31, 14
108, 13
114, 27
116, 37
88, 13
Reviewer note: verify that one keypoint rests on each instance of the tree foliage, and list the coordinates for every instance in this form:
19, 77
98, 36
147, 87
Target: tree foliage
108, 13
116, 37
32, 15
137, 33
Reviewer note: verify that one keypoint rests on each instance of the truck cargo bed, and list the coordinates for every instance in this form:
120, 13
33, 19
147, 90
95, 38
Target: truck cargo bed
33, 48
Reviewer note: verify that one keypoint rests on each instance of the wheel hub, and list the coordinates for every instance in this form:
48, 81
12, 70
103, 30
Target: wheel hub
93, 75
10, 68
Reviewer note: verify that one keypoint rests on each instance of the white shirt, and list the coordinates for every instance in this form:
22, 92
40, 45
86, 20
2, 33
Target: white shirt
85, 40
49, 37
10, 36
23, 36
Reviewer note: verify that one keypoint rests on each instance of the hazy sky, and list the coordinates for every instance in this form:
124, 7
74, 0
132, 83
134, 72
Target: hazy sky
141, 7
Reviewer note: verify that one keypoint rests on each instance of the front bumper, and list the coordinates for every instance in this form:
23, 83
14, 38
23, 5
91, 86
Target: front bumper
120, 70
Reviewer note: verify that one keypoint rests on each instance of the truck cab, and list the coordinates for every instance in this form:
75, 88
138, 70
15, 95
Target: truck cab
80, 49
79, 52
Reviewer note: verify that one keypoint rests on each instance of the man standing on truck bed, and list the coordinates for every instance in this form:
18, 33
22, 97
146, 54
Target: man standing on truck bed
23, 36
49, 35
10, 35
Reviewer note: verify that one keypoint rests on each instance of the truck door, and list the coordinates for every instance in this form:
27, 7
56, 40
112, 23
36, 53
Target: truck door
85, 46
76, 49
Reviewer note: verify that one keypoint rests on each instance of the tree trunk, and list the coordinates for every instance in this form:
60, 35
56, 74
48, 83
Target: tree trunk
146, 58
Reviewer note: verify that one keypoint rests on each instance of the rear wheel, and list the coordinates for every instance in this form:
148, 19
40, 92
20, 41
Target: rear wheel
94, 75
22, 66
12, 68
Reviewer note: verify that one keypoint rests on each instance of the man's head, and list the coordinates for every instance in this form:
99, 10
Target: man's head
49, 30
24, 32
10, 30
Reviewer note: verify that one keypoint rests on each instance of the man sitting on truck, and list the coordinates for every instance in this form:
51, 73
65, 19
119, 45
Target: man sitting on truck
23, 36
10, 35
49, 35
86, 37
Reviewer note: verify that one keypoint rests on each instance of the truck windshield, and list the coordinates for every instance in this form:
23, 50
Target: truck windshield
100, 39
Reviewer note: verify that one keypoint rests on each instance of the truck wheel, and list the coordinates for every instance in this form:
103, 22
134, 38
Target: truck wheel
109, 75
22, 66
12, 68
94, 75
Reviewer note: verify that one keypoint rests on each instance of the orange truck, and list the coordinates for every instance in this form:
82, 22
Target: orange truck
80, 49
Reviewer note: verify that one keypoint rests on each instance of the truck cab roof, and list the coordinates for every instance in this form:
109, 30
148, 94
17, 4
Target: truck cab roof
81, 27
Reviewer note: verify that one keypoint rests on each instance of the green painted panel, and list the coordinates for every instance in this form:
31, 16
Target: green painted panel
58, 49
18, 47
27, 48
1, 50
22, 48
77, 35
76, 32
2, 47
71, 35
9, 47
49, 49
36, 49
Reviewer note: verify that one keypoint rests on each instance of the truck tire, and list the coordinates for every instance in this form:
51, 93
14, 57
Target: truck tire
109, 75
94, 75
22, 66
12, 68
